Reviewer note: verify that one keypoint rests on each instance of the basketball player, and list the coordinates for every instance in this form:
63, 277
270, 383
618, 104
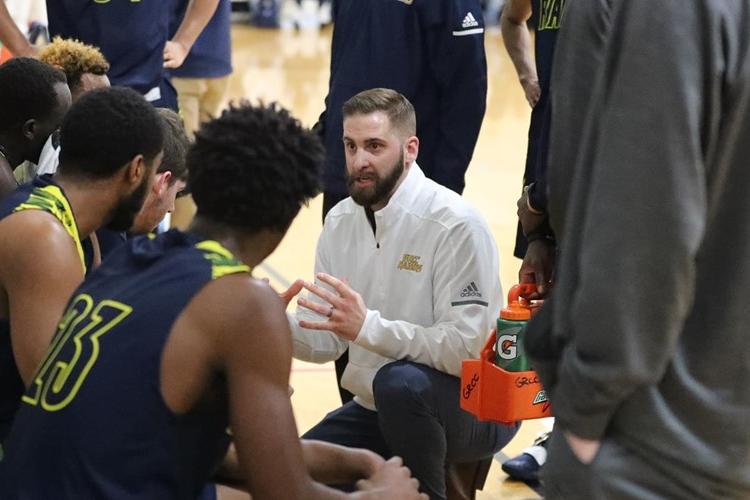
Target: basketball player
171, 176
33, 100
84, 65
170, 181
171, 340
105, 172
85, 69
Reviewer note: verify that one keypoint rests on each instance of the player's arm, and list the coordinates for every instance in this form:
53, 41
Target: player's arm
326, 463
252, 345
41, 270
197, 16
518, 44
11, 36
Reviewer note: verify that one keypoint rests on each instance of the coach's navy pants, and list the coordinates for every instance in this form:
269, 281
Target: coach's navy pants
419, 419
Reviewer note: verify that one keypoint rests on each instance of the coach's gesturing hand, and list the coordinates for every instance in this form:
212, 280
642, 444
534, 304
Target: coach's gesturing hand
343, 307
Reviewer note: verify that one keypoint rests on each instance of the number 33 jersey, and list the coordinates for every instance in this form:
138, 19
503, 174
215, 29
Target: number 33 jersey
93, 423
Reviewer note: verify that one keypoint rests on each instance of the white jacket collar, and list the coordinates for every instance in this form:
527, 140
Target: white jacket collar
405, 194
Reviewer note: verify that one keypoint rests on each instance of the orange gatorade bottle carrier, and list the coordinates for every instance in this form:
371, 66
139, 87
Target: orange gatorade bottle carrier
489, 391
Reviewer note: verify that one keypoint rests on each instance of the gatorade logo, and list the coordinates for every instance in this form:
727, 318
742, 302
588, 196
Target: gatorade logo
541, 397
508, 348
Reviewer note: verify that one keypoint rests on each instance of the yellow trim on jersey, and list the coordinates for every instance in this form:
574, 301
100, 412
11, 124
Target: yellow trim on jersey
52, 200
223, 262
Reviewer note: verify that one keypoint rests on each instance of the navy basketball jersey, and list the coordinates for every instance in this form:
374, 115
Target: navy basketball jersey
41, 194
93, 423
130, 33
549, 18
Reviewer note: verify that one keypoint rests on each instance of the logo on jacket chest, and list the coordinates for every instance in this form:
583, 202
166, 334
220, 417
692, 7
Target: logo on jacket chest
410, 263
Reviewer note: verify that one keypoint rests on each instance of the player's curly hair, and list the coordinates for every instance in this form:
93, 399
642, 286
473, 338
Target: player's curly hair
254, 167
74, 58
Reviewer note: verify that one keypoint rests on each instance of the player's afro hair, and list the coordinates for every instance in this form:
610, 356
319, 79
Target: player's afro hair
75, 58
254, 167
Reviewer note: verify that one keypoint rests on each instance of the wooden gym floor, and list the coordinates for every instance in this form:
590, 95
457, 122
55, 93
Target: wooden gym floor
292, 68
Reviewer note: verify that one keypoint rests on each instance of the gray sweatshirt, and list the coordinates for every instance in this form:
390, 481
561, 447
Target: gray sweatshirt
647, 337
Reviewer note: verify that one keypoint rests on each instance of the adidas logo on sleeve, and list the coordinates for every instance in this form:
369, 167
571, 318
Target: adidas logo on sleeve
468, 26
469, 21
470, 295
471, 290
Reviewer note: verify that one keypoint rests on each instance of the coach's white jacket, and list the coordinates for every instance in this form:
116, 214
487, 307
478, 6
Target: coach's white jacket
428, 275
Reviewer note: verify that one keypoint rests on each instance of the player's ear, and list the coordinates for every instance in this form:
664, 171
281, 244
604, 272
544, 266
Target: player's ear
162, 182
28, 128
135, 170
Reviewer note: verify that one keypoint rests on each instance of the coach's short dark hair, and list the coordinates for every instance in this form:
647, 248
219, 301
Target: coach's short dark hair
254, 167
397, 107
176, 144
107, 128
27, 90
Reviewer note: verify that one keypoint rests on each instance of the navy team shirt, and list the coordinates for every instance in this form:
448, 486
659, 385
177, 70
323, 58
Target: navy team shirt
130, 33
93, 423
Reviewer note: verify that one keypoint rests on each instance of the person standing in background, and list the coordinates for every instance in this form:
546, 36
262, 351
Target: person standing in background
643, 347
535, 241
133, 36
431, 51
202, 81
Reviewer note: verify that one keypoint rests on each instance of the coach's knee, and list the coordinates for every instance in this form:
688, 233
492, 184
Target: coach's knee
400, 385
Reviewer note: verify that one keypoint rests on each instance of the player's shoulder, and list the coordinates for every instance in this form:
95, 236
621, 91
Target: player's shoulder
236, 301
32, 229
37, 243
